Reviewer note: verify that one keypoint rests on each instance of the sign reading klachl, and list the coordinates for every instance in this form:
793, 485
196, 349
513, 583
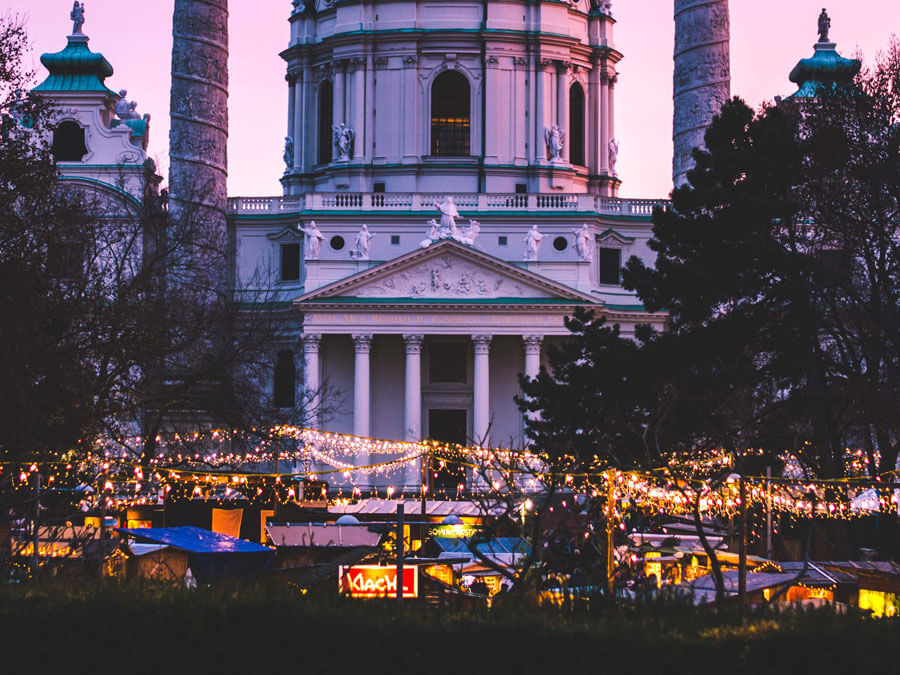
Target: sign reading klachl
375, 581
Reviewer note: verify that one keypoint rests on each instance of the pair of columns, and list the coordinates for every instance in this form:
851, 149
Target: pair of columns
362, 391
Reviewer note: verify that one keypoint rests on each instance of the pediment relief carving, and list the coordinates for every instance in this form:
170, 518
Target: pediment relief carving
447, 276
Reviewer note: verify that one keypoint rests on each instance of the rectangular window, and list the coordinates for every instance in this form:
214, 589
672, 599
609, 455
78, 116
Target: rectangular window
290, 262
610, 260
447, 362
283, 385
502, 240
395, 240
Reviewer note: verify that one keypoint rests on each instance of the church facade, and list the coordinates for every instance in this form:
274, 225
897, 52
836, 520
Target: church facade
449, 196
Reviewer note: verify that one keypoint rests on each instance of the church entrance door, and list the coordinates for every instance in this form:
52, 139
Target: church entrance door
447, 426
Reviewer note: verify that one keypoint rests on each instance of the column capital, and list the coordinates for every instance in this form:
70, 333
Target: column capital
294, 75
532, 343
311, 342
413, 343
362, 343
482, 343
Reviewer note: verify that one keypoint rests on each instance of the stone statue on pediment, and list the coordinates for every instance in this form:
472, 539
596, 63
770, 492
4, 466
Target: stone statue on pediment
434, 234
77, 18
449, 214
313, 240
583, 243
363, 241
532, 244
470, 234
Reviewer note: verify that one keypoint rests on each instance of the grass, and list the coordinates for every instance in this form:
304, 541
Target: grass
99, 628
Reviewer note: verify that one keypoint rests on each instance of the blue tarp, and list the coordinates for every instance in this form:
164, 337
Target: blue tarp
194, 540
210, 554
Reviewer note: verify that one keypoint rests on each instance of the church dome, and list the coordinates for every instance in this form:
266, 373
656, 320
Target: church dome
76, 68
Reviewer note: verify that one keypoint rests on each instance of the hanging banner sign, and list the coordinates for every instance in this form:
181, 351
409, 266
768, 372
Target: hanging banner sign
375, 581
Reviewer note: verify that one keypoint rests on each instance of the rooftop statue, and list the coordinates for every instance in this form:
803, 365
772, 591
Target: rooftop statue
555, 138
449, 214
583, 243
288, 152
363, 239
77, 17
343, 137
532, 244
125, 109
824, 25
313, 240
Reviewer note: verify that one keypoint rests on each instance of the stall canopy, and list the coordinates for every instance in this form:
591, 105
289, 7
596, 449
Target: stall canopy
210, 554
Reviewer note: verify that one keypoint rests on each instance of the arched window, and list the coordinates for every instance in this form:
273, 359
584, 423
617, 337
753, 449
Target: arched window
576, 125
450, 115
283, 389
68, 142
326, 119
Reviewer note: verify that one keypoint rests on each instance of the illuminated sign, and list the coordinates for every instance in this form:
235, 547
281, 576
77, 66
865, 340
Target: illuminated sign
375, 581
453, 531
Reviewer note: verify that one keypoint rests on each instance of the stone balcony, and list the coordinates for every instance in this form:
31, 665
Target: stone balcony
418, 201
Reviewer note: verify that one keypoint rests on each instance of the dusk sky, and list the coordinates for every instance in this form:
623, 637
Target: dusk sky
767, 38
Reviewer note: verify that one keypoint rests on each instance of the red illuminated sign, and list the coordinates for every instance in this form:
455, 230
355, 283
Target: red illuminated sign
375, 581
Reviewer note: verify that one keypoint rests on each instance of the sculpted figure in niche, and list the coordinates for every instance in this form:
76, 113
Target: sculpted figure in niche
77, 17
532, 244
343, 139
363, 240
824, 25
555, 138
288, 152
313, 240
583, 243
449, 214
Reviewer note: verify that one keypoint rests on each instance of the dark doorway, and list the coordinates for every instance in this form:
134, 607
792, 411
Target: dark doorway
447, 426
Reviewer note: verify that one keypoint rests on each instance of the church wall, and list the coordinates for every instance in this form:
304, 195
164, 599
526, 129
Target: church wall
337, 379
507, 361
388, 371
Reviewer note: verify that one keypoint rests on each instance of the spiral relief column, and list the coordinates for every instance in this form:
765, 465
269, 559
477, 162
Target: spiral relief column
199, 132
702, 80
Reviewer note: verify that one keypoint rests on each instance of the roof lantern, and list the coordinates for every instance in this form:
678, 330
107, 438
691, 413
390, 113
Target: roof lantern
826, 68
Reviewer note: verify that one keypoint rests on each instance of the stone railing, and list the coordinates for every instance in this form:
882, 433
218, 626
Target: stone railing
419, 201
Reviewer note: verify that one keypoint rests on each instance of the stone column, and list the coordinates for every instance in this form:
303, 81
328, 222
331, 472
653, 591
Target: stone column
359, 108
291, 79
198, 135
532, 354
299, 131
339, 87
611, 120
540, 151
562, 103
311, 378
481, 389
370, 108
604, 121
413, 392
362, 345
702, 76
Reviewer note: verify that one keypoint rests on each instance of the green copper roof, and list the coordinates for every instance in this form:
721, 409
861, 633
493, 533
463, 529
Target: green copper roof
138, 127
826, 68
76, 68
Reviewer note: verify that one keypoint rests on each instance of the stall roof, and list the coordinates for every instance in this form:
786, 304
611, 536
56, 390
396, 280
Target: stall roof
413, 507
194, 540
320, 534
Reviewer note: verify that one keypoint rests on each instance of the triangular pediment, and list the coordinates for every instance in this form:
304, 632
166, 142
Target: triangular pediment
447, 271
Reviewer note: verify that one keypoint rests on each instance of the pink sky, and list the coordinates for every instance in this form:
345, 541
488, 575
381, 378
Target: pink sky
767, 38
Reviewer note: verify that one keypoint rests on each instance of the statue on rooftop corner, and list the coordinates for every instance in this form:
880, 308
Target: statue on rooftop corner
288, 152
313, 240
125, 109
363, 240
449, 214
613, 155
532, 244
583, 243
555, 138
77, 18
824, 25
343, 138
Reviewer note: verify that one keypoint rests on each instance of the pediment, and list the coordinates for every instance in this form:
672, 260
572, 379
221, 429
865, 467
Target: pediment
447, 271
